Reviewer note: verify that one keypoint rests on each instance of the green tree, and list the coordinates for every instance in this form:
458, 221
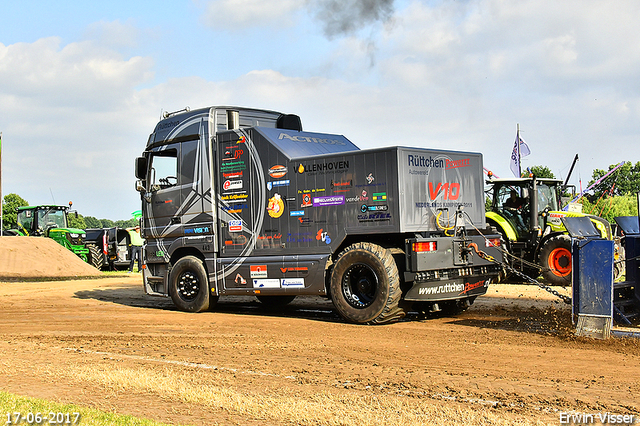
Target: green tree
92, 222
9, 205
129, 223
76, 222
540, 171
611, 207
624, 181
107, 223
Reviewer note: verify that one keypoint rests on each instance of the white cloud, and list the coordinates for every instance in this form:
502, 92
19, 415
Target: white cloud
240, 15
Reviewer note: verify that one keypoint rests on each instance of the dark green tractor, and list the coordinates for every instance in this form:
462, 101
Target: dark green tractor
51, 222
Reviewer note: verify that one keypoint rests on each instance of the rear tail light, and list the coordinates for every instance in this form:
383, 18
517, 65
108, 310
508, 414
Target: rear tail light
492, 242
425, 246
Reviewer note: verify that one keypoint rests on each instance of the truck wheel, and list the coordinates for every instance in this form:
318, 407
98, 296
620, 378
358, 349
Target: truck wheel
365, 285
555, 259
275, 301
189, 285
96, 258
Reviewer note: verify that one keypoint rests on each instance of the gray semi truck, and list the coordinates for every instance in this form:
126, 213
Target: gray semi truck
240, 201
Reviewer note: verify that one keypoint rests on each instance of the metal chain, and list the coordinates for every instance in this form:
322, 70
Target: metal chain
566, 299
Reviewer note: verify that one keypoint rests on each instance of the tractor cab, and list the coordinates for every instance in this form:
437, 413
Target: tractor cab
39, 220
51, 222
522, 205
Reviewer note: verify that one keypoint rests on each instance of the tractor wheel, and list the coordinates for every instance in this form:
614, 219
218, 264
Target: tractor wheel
189, 285
96, 258
555, 259
365, 285
275, 301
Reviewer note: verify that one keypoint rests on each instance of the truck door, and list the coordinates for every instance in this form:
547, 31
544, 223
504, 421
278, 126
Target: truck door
163, 201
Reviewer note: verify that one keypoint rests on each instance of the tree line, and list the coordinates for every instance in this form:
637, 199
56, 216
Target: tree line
11, 202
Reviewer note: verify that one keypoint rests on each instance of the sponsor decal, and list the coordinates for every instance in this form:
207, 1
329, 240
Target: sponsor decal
299, 237
242, 139
472, 286
234, 197
292, 282
450, 164
323, 236
425, 162
230, 185
296, 213
379, 208
275, 207
235, 208
379, 196
294, 269
240, 279
270, 283
370, 179
444, 288
233, 154
374, 217
332, 200
277, 172
277, 183
305, 221
236, 240
329, 166
199, 230
309, 139
306, 200
235, 226
258, 271
341, 186
451, 191
275, 236
232, 166
232, 175
167, 124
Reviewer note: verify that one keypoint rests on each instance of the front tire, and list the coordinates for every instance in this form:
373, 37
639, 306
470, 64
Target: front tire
365, 285
189, 285
555, 260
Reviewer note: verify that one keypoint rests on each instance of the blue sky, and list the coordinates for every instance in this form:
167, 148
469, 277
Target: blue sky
82, 84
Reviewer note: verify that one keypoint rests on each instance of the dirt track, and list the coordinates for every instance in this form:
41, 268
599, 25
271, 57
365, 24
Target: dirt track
512, 354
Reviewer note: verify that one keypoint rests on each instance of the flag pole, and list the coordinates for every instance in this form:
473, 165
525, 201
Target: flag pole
518, 144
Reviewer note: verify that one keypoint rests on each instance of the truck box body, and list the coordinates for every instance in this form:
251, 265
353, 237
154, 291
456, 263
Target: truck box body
268, 209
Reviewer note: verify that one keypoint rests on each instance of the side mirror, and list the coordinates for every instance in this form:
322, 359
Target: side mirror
141, 168
140, 186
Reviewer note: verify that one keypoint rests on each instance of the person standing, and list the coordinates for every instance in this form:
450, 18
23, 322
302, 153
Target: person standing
136, 248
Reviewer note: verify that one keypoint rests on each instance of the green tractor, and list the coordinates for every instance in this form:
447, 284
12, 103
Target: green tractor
527, 213
51, 221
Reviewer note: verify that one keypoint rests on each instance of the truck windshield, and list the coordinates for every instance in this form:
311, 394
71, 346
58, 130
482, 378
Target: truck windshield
547, 198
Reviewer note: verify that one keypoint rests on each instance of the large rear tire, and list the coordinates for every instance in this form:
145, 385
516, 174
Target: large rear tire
96, 257
555, 259
189, 285
365, 285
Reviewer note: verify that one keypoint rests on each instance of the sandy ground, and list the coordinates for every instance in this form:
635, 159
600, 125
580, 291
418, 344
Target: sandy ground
27, 258
513, 354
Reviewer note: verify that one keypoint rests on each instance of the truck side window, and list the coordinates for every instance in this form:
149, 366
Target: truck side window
163, 172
